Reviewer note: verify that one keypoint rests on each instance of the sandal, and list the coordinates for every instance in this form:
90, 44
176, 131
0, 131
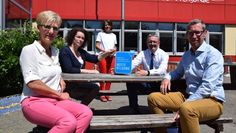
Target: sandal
109, 98
103, 98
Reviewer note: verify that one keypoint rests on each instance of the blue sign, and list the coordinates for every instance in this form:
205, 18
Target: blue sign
123, 62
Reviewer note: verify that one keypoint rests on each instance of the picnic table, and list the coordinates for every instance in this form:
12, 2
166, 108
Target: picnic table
132, 122
109, 78
68, 77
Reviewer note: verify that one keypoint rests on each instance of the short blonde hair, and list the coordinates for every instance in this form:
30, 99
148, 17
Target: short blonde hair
48, 16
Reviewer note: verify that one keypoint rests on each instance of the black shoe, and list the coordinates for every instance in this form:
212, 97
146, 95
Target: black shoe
135, 110
40, 129
93, 109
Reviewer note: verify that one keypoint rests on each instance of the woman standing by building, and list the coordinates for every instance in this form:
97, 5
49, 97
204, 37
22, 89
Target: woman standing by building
106, 40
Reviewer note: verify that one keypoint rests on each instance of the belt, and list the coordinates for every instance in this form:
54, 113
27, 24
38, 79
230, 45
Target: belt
219, 101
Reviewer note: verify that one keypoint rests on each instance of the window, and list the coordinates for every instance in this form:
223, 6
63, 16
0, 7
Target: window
90, 46
182, 44
72, 23
118, 40
131, 41
216, 36
93, 24
132, 25
166, 26
116, 25
181, 27
166, 42
215, 28
149, 26
216, 41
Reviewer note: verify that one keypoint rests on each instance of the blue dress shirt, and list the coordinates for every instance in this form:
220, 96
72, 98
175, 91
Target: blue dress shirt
203, 70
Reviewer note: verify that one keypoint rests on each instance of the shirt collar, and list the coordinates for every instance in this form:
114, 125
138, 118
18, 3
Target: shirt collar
155, 53
40, 48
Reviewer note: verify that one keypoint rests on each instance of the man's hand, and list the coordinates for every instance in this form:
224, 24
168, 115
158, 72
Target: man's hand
142, 73
165, 86
176, 116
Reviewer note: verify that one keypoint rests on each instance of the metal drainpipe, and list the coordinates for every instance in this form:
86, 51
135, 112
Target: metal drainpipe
2, 15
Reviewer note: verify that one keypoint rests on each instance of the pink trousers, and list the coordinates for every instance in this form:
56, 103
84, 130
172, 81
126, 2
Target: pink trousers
61, 116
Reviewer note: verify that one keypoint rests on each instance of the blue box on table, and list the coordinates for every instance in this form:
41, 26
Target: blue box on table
123, 63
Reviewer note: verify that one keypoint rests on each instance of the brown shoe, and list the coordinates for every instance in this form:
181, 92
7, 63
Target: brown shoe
109, 98
103, 98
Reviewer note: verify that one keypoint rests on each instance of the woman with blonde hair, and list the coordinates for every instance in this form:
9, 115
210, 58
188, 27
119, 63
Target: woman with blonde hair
43, 99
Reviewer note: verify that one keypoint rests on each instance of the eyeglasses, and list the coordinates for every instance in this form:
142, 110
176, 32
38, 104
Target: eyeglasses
49, 27
152, 43
197, 33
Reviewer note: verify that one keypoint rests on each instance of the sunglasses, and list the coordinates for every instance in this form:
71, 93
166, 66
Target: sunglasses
197, 33
49, 27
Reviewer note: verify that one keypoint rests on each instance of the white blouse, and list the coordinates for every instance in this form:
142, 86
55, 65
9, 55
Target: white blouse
37, 65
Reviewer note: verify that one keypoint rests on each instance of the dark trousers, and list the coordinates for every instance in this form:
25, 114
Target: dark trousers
133, 89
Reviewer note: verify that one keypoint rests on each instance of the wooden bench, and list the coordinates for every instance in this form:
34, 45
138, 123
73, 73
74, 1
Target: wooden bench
144, 122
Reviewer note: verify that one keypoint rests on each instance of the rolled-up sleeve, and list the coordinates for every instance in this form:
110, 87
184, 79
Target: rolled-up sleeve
28, 65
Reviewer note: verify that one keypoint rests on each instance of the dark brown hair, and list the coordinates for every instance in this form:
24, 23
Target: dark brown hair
71, 35
104, 23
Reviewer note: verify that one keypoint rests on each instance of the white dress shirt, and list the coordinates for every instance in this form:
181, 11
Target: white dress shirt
160, 61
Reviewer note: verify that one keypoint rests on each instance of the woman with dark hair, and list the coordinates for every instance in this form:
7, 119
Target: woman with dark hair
73, 58
106, 41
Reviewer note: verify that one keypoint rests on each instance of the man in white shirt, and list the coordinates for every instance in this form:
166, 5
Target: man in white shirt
154, 61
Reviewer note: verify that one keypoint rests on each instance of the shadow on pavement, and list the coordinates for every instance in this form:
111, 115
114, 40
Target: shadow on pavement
125, 110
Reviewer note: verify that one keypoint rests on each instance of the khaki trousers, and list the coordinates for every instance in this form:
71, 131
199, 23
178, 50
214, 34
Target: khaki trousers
191, 112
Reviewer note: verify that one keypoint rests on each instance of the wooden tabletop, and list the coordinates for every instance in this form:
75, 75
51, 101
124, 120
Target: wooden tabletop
109, 78
230, 64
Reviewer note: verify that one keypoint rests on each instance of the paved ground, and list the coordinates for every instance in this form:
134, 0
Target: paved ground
14, 122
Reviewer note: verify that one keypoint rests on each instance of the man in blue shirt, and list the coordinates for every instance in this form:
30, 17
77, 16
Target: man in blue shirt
203, 68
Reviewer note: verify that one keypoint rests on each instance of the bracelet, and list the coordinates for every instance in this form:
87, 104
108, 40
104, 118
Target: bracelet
148, 73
